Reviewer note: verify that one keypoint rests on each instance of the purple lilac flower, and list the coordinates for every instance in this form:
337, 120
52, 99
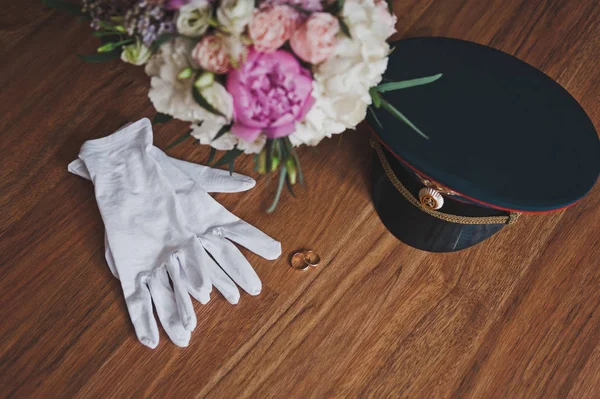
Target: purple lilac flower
102, 10
148, 20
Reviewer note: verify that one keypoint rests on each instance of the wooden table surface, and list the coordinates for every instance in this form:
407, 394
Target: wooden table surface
517, 316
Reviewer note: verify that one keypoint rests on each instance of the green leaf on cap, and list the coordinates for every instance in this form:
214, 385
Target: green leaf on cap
405, 84
375, 117
375, 96
391, 109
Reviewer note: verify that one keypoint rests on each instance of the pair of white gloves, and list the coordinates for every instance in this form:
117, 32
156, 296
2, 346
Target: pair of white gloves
166, 238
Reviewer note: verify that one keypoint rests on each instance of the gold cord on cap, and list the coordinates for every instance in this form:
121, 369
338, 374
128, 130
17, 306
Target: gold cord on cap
510, 219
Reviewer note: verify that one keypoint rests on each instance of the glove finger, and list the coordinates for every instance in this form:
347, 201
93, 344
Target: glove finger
234, 264
195, 278
251, 238
210, 179
220, 181
139, 305
166, 308
220, 280
182, 298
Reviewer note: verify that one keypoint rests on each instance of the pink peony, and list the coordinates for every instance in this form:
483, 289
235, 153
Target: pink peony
212, 55
271, 27
314, 41
271, 92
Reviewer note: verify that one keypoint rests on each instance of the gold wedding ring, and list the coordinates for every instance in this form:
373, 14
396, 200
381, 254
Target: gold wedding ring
312, 258
302, 260
298, 261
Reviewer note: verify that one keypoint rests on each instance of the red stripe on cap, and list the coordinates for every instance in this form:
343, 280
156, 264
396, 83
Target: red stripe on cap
405, 163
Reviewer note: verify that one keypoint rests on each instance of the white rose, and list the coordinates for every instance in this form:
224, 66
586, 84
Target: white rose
349, 111
192, 19
136, 54
173, 96
234, 15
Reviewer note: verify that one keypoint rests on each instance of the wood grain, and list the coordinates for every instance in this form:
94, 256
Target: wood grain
517, 316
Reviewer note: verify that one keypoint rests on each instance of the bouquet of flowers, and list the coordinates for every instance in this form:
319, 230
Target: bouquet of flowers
256, 77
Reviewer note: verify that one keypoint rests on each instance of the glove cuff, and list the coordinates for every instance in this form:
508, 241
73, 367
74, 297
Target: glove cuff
115, 140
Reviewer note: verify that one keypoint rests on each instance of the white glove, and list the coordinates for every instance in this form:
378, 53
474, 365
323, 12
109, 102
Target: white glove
212, 223
148, 234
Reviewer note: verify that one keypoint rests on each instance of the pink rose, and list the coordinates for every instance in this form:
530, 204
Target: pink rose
271, 92
212, 55
271, 27
314, 41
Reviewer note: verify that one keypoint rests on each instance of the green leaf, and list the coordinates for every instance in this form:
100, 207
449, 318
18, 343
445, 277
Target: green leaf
105, 33
211, 155
100, 57
375, 117
282, 179
108, 26
385, 87
162, 39
203, 103
231, 167
229, 156
111, 46
344, 27
375, 96
300, 174
289, 187
283, 150
340, 4
390, 108
293, 153
224, 129
161, 118
65, 6
180, 139
273, 155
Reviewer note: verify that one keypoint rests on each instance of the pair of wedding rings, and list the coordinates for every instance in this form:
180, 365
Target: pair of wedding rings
302, 260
